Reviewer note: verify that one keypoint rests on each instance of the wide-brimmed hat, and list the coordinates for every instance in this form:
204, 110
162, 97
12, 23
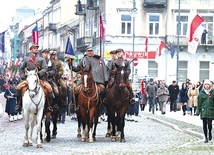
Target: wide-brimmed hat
33, 46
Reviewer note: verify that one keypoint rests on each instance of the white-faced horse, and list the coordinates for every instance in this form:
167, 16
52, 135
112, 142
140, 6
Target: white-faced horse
33, 105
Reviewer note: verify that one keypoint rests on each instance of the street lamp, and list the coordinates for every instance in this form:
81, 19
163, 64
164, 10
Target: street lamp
134, 14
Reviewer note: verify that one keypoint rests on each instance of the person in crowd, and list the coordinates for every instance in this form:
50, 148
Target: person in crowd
2, 82
205, 108
99, 71
10, 95
32, 62
201, 86
113, 57
203, 37
151, 91
162, 94
193, 98
120, 61
183, 97
143, 98
173, 93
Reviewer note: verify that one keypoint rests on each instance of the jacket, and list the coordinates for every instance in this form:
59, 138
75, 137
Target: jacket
99, 69
163, 94
32, 62
205, 106
59, 68
51, 72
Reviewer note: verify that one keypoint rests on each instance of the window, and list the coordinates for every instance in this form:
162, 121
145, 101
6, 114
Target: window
208, 26
154, 24
126, 24
182, 71
152, 69
183, 25
204, 70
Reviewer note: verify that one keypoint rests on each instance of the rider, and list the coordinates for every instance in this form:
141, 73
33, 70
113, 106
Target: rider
59, 73
51, 71
98, 68
120, 61
34, 61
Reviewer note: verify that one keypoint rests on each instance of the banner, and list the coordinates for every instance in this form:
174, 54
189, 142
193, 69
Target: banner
159, 51
102, 29
69, 52
35, 35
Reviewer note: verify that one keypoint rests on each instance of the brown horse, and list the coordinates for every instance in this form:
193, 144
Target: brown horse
117, 103
88, 98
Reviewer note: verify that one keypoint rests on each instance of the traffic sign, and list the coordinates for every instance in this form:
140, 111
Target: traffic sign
135, 62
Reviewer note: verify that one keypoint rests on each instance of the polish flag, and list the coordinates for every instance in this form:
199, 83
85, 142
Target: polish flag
9, 64
17, 62
159, 51
35, 35
102, 29
195, 30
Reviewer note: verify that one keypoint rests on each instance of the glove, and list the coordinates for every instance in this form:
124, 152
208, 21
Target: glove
106, 83
39, 74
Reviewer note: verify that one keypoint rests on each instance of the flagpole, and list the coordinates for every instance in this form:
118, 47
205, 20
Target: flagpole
100, 38
178, 37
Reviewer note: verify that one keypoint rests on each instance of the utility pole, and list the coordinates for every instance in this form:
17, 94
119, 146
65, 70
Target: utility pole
178, 37
134, 13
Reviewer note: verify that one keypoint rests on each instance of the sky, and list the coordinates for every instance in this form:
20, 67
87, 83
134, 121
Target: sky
8, 9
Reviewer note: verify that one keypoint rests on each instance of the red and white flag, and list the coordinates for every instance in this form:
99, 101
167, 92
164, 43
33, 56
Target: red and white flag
9, 64
35, 35
195, 30
102, 29
159, 51
17, 62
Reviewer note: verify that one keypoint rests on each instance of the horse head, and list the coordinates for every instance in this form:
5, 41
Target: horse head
87, 79
33, 81
121, 77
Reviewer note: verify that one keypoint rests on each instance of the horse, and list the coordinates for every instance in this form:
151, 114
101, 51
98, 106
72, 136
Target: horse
33, 105
57, 102
88, 99
117, 103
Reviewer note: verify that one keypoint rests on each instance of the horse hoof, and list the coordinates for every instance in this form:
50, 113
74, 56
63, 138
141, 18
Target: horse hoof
108, 134
53, 137
83, 139
113, 139
25, 144
91, 140
79, 135
30, 144
47, 139
122, 140
39, 146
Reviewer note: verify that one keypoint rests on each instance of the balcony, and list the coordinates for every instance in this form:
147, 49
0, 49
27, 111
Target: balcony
158, 4
52, 27
80, 9
84, 42
92, 5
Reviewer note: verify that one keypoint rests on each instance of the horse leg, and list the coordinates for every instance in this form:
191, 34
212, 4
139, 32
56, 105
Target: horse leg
47, 127
33, 123
79, 124
26, 118
109, 128
84, 136
122, 125
54, 117
39, 120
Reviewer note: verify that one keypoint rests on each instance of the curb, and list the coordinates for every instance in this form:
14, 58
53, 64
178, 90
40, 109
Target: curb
176, 127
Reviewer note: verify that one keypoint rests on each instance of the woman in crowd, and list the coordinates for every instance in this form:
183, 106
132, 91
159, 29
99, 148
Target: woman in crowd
183, 97
206, 108
193, 98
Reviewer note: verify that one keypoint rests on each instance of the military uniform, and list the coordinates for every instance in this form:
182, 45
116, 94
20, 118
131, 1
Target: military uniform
31, 63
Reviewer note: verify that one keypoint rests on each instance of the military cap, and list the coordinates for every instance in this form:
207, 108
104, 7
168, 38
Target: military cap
46, 50
52, 52
113, 52
33, 46
119, 50
89, 48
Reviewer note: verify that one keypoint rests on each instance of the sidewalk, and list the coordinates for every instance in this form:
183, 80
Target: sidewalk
194, 120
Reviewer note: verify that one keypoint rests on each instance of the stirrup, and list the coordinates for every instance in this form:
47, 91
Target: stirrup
132, 101
18, 108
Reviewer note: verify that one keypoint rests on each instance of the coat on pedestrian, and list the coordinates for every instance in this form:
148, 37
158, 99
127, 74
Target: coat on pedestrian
193, 96
163, 94
10, 95
205, 106
183, 97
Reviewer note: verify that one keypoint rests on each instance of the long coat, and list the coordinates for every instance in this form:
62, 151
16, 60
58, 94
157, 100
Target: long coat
10, 102
99, 69
193, 97
32, 62
205, 106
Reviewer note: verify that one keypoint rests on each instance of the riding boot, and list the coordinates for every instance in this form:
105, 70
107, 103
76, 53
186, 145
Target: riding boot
132, 101
19, 100
49, 101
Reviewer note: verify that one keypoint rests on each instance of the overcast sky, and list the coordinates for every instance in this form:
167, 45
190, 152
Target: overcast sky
8, 8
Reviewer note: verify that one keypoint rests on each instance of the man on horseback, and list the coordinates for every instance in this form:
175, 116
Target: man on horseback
58, 76
99, 71
34, 61
120, 61
51, 72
